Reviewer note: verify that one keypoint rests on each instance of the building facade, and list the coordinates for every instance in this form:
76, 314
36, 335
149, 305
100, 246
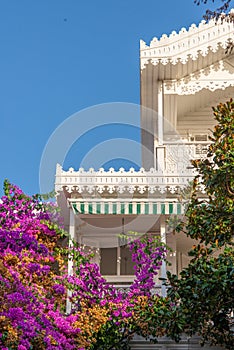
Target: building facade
182, 76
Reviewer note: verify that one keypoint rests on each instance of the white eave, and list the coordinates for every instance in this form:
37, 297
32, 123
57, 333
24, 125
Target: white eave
180, 54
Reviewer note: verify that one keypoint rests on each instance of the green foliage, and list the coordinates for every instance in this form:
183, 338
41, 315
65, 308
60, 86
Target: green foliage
157, 317
221, 11
110, 337
211, 220
45, 196
204, 291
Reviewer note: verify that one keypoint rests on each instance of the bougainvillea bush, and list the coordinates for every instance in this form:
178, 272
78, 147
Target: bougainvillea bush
31, 295
34, 284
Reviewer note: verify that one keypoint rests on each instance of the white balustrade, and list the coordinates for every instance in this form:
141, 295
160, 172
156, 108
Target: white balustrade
177, 173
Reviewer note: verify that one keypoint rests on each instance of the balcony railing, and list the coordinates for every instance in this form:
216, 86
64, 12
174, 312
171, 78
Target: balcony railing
174, 173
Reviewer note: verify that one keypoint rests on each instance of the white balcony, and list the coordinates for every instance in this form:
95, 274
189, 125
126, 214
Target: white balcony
172, 172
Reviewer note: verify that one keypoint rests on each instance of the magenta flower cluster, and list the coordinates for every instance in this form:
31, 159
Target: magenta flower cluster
147, 254
34, 285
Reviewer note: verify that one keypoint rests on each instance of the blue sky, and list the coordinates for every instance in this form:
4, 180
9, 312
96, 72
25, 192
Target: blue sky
61, 56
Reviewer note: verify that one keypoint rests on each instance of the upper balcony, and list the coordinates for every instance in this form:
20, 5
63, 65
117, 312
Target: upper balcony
172, 172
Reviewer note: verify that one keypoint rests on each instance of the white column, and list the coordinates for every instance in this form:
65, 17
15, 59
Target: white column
170, 110
170, 116
160, 156
96, 258
172, 258
163, 240
118, 260
70, 260
160, 113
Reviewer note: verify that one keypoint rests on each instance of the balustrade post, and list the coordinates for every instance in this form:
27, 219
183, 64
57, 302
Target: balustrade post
118, 260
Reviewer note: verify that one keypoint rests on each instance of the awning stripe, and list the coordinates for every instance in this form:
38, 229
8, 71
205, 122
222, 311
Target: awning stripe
127, 208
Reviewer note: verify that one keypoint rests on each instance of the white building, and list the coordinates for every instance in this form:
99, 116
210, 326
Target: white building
182, 76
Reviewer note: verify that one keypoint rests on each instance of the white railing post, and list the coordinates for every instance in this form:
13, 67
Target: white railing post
118, 261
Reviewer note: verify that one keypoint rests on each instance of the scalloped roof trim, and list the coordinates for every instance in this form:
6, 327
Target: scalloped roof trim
182, 34
187, 44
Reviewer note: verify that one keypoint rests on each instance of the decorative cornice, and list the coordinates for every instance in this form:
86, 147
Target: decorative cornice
217, 76
187, 44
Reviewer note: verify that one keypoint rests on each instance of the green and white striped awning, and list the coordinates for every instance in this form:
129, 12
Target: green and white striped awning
127, 208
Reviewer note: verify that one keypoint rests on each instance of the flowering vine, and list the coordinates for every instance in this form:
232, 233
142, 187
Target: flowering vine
34, 283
